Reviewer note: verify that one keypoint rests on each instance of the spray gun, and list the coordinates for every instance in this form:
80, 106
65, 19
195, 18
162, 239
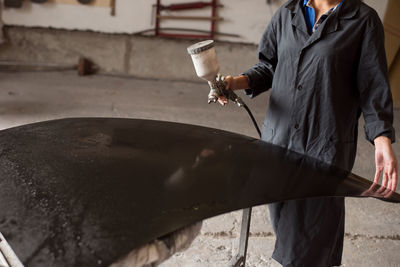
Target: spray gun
206, 65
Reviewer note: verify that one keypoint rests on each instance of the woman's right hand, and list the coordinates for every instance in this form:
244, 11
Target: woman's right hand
228, 80
234, 83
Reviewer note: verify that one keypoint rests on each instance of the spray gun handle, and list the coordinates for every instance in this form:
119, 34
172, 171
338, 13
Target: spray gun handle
218, 88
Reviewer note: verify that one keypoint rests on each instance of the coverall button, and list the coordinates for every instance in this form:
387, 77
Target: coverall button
296, 126
299, 87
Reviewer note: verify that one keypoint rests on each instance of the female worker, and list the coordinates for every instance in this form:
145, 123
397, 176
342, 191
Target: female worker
325, 62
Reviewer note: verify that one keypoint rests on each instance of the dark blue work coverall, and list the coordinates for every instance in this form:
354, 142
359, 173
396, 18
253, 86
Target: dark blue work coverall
321, 83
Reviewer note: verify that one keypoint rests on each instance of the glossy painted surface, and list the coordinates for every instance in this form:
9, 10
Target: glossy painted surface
85, 191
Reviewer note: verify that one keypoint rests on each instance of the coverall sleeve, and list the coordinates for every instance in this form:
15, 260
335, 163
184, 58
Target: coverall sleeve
373, 86
260, 75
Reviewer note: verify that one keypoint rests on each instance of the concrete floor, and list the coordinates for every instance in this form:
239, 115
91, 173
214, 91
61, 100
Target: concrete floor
372, 226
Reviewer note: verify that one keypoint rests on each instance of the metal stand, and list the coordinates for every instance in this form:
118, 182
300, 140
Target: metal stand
240, 259
187, 6
7, 255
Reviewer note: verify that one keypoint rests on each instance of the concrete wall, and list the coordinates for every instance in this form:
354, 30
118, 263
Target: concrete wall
126, 54
146, 57
392, 31
246, 18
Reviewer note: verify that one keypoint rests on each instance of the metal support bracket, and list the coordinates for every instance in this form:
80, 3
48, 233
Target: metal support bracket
240, 259
7, 255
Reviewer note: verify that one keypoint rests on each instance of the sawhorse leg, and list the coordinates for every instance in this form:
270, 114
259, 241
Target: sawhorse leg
240, 259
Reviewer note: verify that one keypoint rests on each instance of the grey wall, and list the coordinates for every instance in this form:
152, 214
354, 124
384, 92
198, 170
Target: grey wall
145, 57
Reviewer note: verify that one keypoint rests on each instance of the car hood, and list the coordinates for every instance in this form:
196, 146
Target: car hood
86, 191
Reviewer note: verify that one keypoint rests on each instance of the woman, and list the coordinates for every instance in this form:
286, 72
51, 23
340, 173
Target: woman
325, 62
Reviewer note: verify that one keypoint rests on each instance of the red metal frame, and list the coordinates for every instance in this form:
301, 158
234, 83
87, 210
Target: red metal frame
157, 30
185, 6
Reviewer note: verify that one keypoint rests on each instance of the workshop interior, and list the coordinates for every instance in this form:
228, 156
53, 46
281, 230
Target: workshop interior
115, 150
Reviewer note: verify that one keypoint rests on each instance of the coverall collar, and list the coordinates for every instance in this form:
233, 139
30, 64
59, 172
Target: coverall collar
348, 9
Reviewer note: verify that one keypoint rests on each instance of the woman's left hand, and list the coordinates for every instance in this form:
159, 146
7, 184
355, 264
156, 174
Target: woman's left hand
386, 165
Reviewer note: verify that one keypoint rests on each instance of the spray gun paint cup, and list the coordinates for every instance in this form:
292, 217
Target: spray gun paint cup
206, 65
204, 60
